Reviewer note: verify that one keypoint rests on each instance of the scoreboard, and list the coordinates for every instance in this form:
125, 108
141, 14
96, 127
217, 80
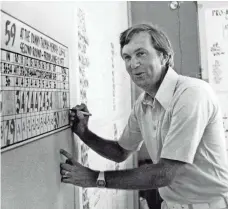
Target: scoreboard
34, 90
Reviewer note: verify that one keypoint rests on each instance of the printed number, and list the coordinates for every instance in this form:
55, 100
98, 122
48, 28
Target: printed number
28, 101
44, 101
31, 102
64, 100
18, 104
7, 81
41, 101
10, 129
22, 110
23, 126
11, 33
50, 100
18, 131
56, 116
36, 103
47, 100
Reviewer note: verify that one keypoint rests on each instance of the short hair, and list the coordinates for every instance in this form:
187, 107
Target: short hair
159, 40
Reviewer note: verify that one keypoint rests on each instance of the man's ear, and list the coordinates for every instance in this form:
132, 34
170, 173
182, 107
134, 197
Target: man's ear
164, 59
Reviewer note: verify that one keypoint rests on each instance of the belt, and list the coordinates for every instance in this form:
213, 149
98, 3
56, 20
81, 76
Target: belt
220, 203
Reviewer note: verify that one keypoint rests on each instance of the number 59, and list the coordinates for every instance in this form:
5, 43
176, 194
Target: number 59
10, 33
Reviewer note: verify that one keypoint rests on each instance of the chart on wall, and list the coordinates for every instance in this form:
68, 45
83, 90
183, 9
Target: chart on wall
34, 84
216, 31
105, 87
217, 47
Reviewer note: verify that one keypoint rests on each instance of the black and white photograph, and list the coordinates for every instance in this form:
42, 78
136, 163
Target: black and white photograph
114, 104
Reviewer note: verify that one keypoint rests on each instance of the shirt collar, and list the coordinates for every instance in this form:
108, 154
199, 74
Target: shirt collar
165, 92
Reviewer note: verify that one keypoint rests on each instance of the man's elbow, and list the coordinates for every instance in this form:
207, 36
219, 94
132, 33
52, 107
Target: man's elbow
169, 178
169, 170
123, 155
164, 181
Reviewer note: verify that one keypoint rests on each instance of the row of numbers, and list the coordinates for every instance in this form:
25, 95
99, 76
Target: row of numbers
22, 102
13, 81
15, 130
31, 62
11, 69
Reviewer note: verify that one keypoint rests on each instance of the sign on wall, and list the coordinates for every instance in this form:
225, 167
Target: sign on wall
217, 47
217, 52
34, 84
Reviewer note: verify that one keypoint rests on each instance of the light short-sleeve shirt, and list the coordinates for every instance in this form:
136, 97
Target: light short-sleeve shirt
183, 122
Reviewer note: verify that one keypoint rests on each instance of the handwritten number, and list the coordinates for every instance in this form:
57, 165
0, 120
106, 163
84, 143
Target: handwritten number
7, 32
31, 103
7, 132
12, 129
10, 33
23, 103
18, 102
13, 32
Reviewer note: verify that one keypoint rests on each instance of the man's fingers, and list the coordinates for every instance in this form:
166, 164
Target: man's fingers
72, 113
81, 107
67, 180
84, 107
66, 154
65, 173
68, 161
80, 115
66, 166
72, 118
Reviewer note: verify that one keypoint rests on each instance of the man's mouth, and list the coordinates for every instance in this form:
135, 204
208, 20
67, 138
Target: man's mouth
139, 74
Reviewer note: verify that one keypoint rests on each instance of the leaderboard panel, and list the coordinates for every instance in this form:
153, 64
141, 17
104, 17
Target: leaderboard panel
34, 94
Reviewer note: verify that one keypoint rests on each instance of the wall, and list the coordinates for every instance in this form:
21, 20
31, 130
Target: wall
181, 27
30, 174
213, 28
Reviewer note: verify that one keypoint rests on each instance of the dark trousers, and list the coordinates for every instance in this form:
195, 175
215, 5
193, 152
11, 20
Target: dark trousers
152, 197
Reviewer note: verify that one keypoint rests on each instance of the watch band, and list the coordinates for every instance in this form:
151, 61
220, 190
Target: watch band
101, 180
101, 176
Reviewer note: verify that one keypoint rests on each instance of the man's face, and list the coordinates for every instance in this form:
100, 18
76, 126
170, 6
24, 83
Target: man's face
142, 61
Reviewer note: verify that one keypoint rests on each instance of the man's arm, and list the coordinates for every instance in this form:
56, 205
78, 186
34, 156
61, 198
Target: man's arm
106, 148
150, 176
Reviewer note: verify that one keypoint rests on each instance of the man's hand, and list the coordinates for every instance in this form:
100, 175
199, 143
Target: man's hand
74, 173
78, 120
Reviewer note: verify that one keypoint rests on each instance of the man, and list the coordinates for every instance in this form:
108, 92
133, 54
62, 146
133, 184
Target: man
180, 122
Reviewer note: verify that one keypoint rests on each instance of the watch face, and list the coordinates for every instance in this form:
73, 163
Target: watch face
100, 183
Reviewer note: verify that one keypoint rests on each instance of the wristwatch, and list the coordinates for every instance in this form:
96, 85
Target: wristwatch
101, 180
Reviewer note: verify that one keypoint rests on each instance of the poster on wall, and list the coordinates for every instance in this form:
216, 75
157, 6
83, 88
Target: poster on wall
223, 99
217, 47
34, 84
213, 23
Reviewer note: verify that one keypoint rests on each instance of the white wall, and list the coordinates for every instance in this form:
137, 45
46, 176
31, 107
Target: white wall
30, 174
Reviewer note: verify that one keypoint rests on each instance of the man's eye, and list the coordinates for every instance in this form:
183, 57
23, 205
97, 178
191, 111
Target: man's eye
126, 58
140, 54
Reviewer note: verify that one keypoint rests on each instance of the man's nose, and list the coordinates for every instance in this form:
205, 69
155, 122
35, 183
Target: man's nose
134, 63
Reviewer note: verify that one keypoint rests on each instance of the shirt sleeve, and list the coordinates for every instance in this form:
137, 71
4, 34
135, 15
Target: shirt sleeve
131, 138
190, 116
